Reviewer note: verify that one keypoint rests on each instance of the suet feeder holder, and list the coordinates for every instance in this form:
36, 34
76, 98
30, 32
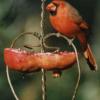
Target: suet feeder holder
24, 61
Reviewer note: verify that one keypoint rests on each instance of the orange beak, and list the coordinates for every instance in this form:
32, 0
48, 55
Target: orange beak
51, 7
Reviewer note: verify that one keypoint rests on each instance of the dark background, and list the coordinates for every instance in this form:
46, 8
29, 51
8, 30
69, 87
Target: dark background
18, 16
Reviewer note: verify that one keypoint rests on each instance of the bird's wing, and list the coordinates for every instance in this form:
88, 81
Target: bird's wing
84, 25
74, 16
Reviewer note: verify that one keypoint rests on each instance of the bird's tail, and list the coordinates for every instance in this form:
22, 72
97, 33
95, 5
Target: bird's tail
90, 58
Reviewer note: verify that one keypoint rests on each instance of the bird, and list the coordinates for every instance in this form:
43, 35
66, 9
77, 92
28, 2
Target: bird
66, 20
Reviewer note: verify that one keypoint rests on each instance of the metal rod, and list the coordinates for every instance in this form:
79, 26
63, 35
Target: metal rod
42, 50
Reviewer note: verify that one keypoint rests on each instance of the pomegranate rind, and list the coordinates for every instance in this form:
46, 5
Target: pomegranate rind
21, 60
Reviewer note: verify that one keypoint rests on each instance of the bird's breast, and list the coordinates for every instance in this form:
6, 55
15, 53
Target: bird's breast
64, 26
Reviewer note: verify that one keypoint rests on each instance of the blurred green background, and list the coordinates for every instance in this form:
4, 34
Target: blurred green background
18, 16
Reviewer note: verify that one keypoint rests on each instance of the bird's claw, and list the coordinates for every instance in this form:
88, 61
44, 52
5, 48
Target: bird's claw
58, 34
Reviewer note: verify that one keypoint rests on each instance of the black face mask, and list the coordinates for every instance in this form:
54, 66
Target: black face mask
53, 13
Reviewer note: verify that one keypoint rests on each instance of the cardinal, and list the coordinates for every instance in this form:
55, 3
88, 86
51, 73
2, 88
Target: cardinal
66, 20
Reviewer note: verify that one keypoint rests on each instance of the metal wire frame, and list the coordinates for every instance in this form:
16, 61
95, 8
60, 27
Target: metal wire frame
43, 72
7, 69
70, 41
42, 38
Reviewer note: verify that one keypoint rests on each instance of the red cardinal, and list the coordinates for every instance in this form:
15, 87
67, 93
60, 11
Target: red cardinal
65, 19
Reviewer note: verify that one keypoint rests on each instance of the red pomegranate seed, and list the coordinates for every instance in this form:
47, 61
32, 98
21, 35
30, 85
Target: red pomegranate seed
21, 60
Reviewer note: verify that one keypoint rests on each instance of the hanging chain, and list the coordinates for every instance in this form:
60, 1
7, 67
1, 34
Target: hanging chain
42, 50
